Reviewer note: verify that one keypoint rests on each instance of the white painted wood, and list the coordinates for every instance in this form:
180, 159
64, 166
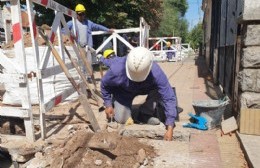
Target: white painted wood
66, 93
7, 63
12, 78
54, 27
54, 70
104, 44
61, 50
7, 27
124, 41
37, 60
129, 30
114, 44
56, 6
14, 112
20, 52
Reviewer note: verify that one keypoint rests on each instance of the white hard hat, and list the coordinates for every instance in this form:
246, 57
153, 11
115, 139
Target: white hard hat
138, 64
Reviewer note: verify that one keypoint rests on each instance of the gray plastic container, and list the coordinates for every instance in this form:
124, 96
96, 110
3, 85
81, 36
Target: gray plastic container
212, 110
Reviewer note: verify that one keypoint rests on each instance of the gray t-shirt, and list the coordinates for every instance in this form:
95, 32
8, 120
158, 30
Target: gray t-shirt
82, 34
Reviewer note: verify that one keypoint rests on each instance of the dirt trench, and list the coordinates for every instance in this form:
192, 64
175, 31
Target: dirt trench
103, 149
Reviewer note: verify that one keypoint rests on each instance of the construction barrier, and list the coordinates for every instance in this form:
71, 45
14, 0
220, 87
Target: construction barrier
20, 76
113, 39
178, 50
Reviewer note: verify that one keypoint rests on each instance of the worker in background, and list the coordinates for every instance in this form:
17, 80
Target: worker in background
107, 58
169, 54
84, 27
134, 41
134, 75
122, 48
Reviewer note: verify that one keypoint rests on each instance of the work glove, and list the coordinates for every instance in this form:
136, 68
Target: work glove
199, 122
129, 121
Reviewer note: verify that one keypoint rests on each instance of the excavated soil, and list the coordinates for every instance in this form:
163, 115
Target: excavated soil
75, 145
102, 149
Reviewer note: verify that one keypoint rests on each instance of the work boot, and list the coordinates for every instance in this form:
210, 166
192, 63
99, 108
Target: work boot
148, 119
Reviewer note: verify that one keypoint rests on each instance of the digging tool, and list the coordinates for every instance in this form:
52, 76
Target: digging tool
82, 98
111, 123
74, 63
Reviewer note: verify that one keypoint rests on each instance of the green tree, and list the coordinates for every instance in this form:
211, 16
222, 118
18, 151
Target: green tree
112, 13
195, 36
173, 23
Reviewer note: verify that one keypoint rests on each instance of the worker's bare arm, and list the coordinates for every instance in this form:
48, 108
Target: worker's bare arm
169, 133
109, 111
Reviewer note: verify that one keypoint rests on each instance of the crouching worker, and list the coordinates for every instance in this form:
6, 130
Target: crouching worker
107, 58
137, 74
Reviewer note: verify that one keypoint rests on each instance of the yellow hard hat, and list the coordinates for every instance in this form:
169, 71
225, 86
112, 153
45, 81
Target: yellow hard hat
168, 44
80, 8
108, 52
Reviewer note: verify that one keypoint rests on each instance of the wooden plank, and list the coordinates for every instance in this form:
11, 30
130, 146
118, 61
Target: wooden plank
76, 66
54, 70
54, 27
257, 121
129, 30
246, 121
13, 112
242, 122
90, 114
12, 78
8, 64
57, 7
229, 125
83, 55
250, 121
251, 128
59, 98
83, 99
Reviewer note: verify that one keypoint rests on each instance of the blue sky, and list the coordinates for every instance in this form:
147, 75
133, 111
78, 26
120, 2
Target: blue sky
194, 12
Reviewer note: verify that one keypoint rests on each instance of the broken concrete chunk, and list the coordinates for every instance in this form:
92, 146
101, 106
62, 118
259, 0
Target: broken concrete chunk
229, 125
141, 156
98, 162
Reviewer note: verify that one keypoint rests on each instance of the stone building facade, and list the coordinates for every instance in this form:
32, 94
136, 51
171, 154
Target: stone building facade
232, 51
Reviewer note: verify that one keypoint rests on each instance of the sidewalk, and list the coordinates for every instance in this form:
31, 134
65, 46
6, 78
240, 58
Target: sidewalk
191, 147
251, 147
250, 144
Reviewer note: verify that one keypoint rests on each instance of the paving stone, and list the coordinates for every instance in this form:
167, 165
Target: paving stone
204, 151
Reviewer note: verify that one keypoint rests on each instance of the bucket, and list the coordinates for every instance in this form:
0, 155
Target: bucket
212, 110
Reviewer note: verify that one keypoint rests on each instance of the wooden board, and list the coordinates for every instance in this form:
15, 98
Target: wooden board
249, 121
229, 125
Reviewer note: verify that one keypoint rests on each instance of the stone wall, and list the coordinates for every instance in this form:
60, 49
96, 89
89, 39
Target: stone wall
249, 75
250, 10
